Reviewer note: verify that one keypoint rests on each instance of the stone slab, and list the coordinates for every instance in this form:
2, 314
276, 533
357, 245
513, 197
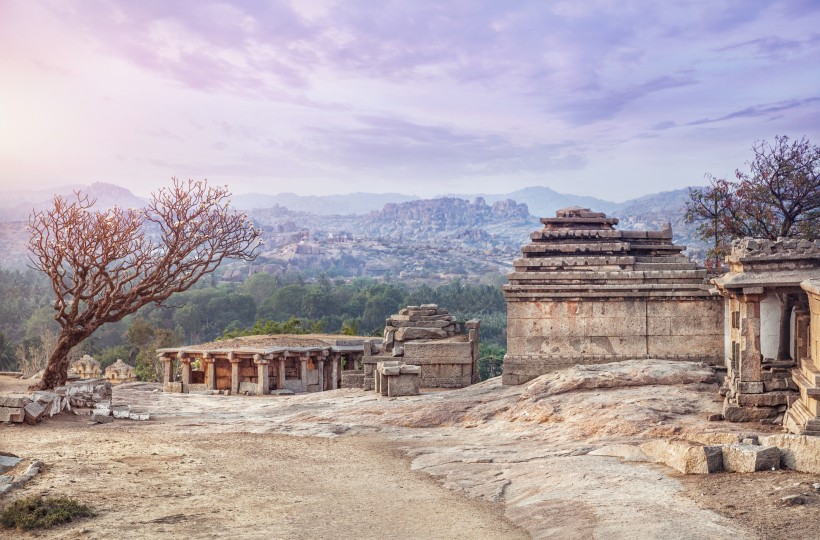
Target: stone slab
34, 412
12, 414
14, 401
797, 452
684, 456
746, 458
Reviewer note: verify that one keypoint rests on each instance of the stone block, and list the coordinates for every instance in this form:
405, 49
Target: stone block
745, 458
771, 399
12, 414
139, 416
247, 388
404, 384
120, 411
51, 401
797, 452
100, 418
34, 412
750, 387
406, 334
7, 462
733, 413
14, 402
684, 456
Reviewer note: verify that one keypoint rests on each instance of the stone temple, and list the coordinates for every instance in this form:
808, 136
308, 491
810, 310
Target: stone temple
585, 293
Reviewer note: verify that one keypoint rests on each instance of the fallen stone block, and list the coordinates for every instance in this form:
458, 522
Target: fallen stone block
12, 414
82, 411
797, 452
121, 411
52, 402
14, 402
101, 418
282, 392
684, 456
746, 458
7, 462
139, 416
34, 412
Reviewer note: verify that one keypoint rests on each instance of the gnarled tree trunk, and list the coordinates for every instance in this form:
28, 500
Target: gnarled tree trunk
56, 371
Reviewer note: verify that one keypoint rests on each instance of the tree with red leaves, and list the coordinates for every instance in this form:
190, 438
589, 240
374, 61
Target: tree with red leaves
778, 197
104, 265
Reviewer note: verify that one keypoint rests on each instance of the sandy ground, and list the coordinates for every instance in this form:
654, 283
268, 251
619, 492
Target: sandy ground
483, 462
169, 484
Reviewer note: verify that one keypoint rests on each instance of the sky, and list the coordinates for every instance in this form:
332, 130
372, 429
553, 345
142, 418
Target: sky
613, 99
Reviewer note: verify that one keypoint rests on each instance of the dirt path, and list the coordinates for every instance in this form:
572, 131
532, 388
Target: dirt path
169, 484
338, 464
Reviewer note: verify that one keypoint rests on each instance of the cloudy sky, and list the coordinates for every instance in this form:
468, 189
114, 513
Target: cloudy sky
607, 98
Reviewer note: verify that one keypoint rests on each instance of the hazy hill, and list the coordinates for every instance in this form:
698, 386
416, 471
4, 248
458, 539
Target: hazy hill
351, 203
17, 205
543, 201
490, 225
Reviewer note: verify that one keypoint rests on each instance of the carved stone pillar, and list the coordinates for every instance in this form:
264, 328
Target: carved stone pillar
320, 365
751, 359
280, 379
334, 371
185, 365
210, 371
167, 368
262, 381
303, 360
234, 372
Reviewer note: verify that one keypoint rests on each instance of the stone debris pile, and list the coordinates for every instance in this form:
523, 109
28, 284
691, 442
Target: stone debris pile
427, 336
427, 321
87, 397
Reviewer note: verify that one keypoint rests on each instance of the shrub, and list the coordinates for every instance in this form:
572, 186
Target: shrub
35, 512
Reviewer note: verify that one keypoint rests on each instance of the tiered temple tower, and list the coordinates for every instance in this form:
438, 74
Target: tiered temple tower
586, 293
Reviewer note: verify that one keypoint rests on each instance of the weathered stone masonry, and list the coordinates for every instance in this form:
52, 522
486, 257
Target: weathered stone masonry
250, 366
584, 292
767, 322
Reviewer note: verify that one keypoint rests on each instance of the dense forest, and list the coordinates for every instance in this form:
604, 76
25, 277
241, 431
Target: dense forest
286, 303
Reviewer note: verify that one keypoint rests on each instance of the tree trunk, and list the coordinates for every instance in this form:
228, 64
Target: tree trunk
784, 345
56, 371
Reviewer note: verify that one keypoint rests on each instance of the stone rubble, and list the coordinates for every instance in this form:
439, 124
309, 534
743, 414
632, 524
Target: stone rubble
85, 397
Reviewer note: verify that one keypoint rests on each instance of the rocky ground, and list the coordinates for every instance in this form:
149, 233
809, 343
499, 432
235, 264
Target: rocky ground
497, 461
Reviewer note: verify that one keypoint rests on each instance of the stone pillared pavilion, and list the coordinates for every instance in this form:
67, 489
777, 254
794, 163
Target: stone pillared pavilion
583, 292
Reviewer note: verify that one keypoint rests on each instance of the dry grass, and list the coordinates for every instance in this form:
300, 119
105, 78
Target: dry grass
35, 512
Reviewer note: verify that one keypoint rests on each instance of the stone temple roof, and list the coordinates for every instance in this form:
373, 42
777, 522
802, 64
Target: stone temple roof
785, 262
579, 253
276, 343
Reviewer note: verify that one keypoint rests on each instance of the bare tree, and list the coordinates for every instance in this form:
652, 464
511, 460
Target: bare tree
778, 197
104, 265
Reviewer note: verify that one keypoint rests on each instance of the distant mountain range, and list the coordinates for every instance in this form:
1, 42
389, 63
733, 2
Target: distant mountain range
493, 224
